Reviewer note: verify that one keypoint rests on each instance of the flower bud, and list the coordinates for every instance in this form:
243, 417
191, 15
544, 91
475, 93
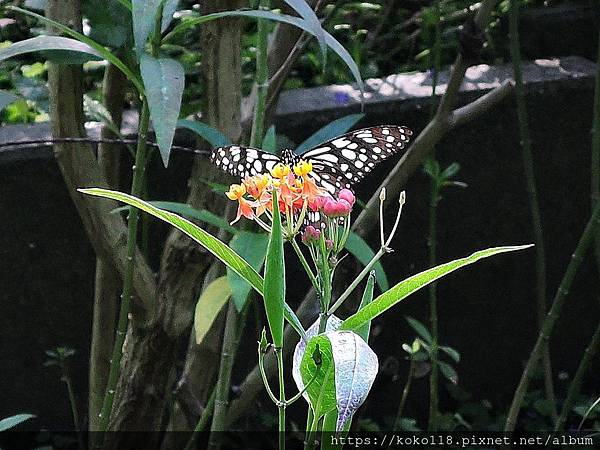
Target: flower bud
336, 208
311, 235
348, 195
328, 244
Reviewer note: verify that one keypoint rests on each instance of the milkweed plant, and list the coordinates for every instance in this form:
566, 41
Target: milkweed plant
332, 365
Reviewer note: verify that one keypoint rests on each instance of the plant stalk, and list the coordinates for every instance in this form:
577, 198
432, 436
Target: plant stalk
596, 149
575, 386
433, 314
136, 190
536, 220
405, 391
262, 82
202, 422
224, 378
561, 295
282, 403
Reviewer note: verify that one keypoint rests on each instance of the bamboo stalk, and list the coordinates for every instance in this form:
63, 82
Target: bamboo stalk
536, 220
136, 190
202, 422
562, 292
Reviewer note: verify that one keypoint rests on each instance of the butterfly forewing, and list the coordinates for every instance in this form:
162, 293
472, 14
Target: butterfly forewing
345, 160
243, 161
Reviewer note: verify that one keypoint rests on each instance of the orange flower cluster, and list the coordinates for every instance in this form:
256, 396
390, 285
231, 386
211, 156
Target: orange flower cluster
296, 191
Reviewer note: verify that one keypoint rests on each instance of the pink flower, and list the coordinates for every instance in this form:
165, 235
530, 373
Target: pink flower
311, 235
336, 208
348, 195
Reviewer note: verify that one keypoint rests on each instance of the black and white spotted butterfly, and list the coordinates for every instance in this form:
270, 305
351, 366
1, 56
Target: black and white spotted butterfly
339, 163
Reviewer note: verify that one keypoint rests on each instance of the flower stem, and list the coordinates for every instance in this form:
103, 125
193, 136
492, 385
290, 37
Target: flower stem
136, 190
536, 220
562, 292
305, 264
281, 404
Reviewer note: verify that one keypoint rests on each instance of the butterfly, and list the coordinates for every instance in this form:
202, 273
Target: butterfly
337, 164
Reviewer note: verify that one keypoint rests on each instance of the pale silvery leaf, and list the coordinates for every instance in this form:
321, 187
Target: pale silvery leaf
333, 323
356, 366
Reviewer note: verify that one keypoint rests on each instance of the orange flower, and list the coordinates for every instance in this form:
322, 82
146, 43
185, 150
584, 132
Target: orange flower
303, 168
245, 208
257, 185
280, 171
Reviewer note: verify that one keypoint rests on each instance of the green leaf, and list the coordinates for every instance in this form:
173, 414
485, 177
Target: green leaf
329, 430
212, 244
361, 251
588, 412
164, 80
321, 392
252, 247
367, 298
311, 19
103, 52
330, 131
293, 320
274, 284
43, 43
269, 143
186, 210
168, 11
6, 98
144, 17
448, 372
109, 22
211, 301
13, 421
416, 282
211, 135
452, 353
450, 171
300, 23
421, 329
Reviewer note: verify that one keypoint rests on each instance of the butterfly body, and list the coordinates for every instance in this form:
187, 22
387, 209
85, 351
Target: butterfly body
337, 164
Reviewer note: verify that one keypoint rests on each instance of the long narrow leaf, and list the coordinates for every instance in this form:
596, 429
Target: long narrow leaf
44, 43
416, 282
144, 17
252, 247
164, 80
211, 135
311, 19
274, 284
103, 52
183, 209
300, 23
329, 131
212, 244
169, 9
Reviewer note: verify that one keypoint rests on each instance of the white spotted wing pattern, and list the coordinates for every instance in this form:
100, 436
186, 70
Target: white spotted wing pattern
337, 164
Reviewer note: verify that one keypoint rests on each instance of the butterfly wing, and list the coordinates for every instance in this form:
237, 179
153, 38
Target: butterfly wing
243, 161
345, 160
